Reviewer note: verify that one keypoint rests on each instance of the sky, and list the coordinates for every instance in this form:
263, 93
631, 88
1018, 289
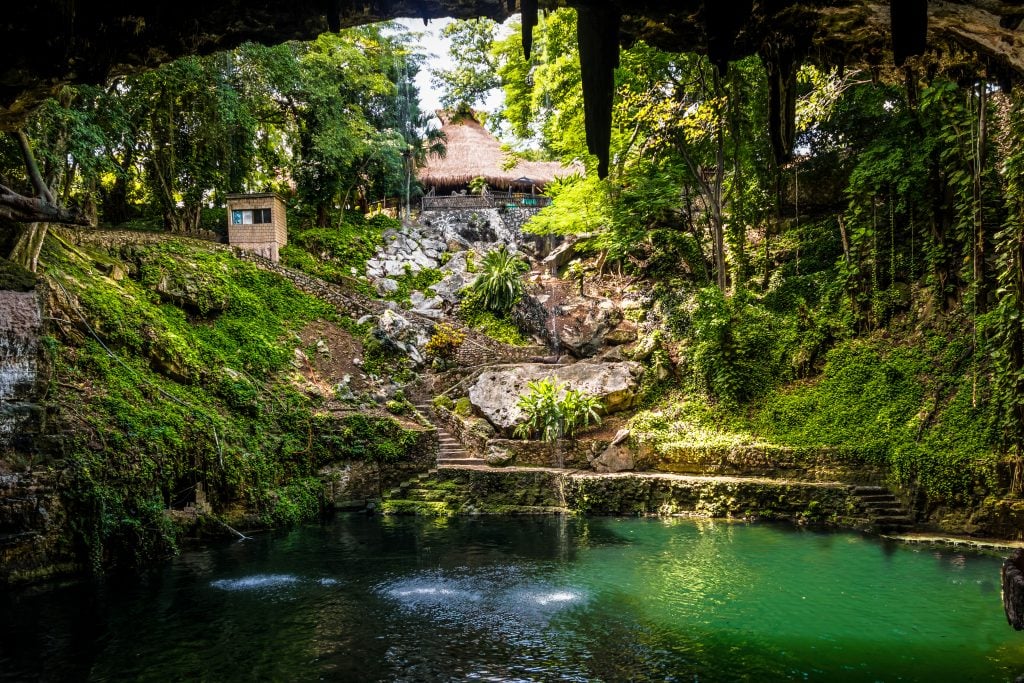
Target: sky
435, 47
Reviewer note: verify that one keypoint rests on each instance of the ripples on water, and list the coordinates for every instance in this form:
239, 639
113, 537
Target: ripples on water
527, 600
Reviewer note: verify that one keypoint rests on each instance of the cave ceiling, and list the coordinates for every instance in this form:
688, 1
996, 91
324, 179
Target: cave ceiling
49, 43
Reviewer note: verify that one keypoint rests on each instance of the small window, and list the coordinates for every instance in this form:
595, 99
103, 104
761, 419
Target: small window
250, 216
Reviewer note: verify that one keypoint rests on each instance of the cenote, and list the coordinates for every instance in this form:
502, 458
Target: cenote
527, 599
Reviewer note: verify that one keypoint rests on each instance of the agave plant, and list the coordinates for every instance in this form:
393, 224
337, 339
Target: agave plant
499, 284
552, 411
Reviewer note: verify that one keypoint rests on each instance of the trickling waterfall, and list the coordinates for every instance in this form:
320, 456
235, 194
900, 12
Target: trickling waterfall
21, 322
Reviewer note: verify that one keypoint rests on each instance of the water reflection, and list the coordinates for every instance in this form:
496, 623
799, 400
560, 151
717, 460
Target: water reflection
527, 600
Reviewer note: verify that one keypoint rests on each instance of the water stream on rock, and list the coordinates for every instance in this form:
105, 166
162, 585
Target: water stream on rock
527, 599
20, 325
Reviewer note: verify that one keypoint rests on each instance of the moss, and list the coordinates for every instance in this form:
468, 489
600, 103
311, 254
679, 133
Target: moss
193, 396
418, 281
425, 508
15, 278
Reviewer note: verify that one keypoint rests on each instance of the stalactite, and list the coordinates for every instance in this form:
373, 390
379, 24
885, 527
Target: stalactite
597, 30
909, 22
529, 20
722, 23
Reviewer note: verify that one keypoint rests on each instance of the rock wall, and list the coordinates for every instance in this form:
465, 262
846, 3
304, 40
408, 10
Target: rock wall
33, 527
352, 484
474, 227
641, 494
21, 324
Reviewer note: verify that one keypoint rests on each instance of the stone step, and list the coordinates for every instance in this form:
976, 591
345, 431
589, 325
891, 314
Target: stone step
888, 513
881, 505
893, 527
867, 490
447, 462
878, 497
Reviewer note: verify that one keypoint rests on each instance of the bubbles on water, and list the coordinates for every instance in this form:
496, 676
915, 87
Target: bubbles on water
557, 597
499, 598
258, 582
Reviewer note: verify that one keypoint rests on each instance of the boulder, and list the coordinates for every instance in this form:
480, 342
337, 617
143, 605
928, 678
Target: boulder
624, 333
584, 324
386, 286
448, 289
558, 258
615, 458
496, 392
498, 457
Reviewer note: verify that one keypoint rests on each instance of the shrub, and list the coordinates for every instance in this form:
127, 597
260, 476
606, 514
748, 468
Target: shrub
739, 348
397, 407
443, 402
552, 411
463, 407
499, 284
445, 342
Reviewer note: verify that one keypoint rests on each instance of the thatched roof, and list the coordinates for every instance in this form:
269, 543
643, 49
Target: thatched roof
473, 152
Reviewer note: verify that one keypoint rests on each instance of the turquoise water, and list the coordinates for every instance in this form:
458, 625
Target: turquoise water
527, 599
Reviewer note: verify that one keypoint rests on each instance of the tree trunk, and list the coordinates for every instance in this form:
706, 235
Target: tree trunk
30, 243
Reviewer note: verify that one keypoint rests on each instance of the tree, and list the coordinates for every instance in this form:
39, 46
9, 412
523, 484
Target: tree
475, 73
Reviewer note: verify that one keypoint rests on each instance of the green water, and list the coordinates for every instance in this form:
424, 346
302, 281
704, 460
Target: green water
527, 599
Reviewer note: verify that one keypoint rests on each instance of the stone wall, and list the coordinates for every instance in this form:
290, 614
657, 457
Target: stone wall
33, 527
21, 324
352, 484
654, 494
808, 464
472, 227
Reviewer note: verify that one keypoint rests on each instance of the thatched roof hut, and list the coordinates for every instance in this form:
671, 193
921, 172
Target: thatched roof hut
472, 152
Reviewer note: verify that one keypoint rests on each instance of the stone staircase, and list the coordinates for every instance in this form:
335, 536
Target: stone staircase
451, 453
886, 513
419, 495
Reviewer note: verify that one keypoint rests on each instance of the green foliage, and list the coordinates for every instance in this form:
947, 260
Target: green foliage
187, 401
338, 253
443, 402
463, 407
473, 75
737, 347
553, 412
376, 440
473, 312
904, 409
445, 342
478, 185
396, 407
499, 285
299, 501
418, 281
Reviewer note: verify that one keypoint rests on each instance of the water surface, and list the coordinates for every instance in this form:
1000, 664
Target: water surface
527, 599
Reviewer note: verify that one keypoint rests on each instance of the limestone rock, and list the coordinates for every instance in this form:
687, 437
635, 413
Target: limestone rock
386, 286
624, 333
448, 288
616, 458
498, 457
496, 392
585, 322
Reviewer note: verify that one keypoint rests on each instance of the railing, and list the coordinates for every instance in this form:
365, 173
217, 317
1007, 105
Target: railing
487, 200
456, 201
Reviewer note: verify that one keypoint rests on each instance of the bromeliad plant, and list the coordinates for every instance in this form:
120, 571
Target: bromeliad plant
499, 285
553, 412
